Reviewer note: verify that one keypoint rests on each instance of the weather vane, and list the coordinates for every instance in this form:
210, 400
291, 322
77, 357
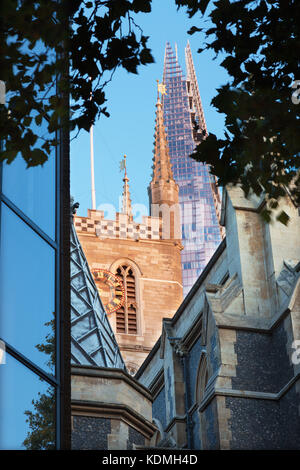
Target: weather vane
123, 164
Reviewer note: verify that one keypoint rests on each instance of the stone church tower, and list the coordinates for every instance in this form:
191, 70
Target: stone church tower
137, 266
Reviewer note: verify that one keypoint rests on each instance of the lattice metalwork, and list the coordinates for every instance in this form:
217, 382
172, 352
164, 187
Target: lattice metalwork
92, 339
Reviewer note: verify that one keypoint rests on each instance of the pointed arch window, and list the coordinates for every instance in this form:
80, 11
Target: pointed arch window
202, 378
201, 384
126, 316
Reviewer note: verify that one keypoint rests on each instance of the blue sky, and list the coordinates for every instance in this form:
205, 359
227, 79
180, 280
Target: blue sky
131, 103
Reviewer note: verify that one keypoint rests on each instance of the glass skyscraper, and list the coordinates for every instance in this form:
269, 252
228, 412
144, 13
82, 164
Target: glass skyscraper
35, 301
198, 193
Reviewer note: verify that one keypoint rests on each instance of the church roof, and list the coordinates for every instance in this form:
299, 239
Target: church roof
92, 340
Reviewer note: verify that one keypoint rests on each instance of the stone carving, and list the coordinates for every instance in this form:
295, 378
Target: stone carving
287, 277
220, 297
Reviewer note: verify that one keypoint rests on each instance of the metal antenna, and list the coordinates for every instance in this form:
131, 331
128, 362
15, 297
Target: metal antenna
92, 163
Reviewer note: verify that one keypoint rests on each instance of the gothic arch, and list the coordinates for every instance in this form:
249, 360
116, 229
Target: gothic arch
202, 377
133, 264
201, 383
128, 317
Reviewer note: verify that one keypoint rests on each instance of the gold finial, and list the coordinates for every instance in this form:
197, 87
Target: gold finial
161, 88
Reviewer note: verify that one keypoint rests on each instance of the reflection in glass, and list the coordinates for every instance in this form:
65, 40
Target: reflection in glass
27, 408
33, 191
27, 270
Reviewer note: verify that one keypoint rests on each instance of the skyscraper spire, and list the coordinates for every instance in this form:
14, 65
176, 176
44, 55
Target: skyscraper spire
197, 113
163, 188
171, 64
126, 201
198, 192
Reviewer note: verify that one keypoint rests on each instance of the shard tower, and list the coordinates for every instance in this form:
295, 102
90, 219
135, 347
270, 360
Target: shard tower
198, 192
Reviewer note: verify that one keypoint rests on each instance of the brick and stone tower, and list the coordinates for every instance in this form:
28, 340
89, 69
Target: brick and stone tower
137, 266
163, 190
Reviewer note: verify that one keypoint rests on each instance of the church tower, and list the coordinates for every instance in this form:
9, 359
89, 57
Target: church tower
137, 266
163, 190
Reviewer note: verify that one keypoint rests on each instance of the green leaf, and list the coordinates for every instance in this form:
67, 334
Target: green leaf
146, 57
27, 121
37, 157
194, 29
38, 119
141, 5
9, 155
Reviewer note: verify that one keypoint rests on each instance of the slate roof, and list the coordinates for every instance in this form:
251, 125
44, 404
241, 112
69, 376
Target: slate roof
92, 339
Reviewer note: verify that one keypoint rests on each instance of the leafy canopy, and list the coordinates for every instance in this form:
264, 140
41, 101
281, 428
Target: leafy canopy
259, 38
51, 46
261, 43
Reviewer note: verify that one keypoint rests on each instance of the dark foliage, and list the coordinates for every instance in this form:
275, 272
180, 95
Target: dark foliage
75, 47
261, 43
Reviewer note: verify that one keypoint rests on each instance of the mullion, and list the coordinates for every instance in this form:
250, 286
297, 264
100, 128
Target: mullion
28, 221
30, 365
58, 358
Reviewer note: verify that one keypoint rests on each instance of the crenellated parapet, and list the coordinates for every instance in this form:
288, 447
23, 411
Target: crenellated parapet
121, 227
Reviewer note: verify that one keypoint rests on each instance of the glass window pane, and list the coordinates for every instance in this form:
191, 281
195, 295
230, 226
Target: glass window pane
27, 408
33, 191
27, 273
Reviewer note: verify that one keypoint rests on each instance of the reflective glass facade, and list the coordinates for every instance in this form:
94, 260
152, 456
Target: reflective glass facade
198, 194
34, 302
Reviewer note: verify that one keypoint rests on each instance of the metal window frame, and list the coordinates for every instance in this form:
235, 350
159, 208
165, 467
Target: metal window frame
61, 380
21, 358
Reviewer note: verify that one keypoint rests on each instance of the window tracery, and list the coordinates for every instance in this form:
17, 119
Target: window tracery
126, 316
